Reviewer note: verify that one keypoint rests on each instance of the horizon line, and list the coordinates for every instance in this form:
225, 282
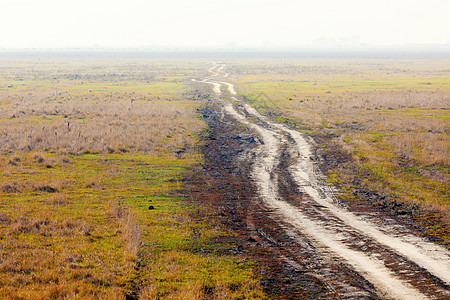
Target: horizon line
362, 47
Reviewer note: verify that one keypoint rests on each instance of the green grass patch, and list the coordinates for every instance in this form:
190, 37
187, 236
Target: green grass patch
276, 89
137, 87
76, 234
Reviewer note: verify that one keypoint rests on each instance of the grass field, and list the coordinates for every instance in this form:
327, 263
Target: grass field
384, 122
93, 154
91, 157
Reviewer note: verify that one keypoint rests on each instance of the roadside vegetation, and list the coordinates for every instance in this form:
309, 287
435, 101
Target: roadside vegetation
92, 156
383, 125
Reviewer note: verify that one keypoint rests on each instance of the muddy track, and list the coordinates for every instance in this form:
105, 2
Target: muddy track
318, 248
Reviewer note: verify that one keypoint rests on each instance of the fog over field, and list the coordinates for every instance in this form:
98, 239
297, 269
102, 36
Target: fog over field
233, 23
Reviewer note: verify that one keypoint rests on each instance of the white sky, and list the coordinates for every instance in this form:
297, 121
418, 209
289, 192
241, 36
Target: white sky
131, 23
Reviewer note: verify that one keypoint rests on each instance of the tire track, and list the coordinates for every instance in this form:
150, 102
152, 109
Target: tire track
400, 266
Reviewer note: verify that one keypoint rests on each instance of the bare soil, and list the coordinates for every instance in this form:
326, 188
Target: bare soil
224, 185
263, 181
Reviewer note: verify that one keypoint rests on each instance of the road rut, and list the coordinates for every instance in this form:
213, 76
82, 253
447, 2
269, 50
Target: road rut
397, 263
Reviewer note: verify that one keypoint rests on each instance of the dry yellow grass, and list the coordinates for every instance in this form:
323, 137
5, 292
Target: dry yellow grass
77, 125
416, 122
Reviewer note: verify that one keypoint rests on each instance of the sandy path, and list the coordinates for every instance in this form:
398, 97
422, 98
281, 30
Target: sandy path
337, 231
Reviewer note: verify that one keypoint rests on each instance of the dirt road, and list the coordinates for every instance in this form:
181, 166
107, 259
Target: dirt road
354, 254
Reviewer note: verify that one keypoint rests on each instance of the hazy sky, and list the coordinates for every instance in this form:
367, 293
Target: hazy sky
131, 23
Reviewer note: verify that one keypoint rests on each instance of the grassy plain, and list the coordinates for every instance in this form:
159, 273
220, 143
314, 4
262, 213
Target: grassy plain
385, 122
91, 156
